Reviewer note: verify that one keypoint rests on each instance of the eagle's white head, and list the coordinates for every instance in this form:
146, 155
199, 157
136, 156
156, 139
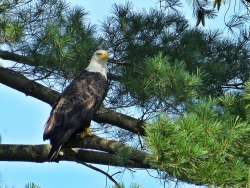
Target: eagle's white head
98, 62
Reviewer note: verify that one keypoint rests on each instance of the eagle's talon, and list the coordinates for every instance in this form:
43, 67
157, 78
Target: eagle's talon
86, 132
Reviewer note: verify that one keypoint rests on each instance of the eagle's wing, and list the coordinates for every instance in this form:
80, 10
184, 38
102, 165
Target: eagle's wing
75, 109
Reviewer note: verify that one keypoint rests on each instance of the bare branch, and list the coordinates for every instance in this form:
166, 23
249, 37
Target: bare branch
18, 58
101, 171
110, 146
39, 154
122, 121
30, 88
19, 82
105, 152
29, 60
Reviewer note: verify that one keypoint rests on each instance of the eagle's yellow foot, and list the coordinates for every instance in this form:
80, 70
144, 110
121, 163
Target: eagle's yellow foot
89, 132
86, 132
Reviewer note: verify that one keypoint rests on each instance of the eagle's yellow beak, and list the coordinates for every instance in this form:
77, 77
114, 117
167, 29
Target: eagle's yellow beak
104, 56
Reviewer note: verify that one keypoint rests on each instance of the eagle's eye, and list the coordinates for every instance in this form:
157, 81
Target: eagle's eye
102, 56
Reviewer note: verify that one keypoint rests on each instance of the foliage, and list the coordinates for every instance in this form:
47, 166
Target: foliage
135, 36
28, 185
56, 36
163, 67
234, 18
68, 42
133, 185
157, 79
32, 185
208, 145
11, 32
247, 95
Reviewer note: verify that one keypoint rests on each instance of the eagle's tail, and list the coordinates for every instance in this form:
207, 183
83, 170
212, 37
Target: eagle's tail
54, 152
57, 140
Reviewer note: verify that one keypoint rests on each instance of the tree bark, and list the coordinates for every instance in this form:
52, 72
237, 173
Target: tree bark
29, 60
19, 82
39, 154
110, 146
106, 152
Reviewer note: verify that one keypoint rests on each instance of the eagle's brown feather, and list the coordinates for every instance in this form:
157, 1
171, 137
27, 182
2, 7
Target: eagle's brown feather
74, 110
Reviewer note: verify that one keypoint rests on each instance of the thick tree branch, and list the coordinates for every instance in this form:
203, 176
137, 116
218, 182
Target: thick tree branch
105, 152
110, 146
17, 58
30, 88
39, 154
29, 60
21, 83
104, 115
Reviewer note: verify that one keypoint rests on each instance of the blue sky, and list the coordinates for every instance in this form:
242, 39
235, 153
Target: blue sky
23, 118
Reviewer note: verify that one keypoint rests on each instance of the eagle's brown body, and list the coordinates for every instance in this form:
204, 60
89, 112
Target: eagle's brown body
74, 110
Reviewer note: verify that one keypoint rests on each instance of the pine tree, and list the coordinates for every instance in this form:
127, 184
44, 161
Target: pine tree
236, 13
189, 88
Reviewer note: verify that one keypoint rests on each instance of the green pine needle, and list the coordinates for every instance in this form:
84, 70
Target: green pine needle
156, 78
205, 146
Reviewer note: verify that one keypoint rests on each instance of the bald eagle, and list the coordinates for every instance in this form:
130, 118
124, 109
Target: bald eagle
78, 103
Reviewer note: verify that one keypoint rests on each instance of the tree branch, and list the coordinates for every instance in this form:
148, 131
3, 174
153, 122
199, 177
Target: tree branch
28, 87
18, 58
104, 115
104, 151
110, 146
29, 60
39, 154
101, 171
19, 82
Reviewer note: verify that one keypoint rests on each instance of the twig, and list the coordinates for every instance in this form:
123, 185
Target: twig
101, 171
116, 173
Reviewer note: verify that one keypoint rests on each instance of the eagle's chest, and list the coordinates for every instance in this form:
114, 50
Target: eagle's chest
85, 92
92, 85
